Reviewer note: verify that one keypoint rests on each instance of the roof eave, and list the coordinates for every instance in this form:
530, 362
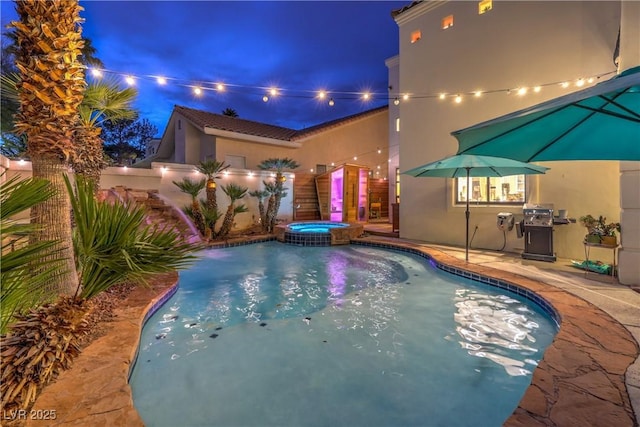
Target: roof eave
251, 138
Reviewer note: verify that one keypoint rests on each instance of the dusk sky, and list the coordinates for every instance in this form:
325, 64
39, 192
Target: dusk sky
299, 47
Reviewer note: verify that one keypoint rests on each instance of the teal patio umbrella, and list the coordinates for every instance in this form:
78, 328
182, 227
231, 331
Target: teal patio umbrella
598, 123
467, 165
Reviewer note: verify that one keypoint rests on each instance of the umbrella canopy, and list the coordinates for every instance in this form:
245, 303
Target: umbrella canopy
598, 123
467, 165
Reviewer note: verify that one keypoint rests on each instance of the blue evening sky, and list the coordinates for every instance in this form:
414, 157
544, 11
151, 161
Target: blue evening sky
299, 47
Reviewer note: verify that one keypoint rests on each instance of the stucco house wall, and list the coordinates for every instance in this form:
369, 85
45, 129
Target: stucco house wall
513, 45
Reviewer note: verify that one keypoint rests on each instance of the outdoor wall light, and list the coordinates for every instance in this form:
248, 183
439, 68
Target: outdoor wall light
331, 103
284, 178
211, 184
265, 98
396, 101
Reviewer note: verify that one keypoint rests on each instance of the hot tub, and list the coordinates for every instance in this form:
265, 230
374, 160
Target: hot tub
318, 233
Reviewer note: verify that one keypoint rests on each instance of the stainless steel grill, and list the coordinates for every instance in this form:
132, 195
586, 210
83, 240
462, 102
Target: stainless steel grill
537, 230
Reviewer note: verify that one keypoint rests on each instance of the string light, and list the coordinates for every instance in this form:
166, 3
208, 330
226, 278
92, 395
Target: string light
322, 94
197, 91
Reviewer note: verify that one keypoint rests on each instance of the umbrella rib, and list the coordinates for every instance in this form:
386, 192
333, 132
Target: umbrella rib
620, 106
612, 113
552, 111
559, 137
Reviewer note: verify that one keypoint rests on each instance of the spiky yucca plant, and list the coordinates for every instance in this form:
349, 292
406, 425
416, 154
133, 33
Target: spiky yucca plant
212, 169
193, 188
235, 193
260, 195
278, 191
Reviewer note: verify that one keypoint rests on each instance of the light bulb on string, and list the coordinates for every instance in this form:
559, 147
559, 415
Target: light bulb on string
396, 101
219, 87
161, 80
366, 96
537, 89
96, 73
197, 91
265, 98
331, 102
522, 91
458, 99
405, 97
322, 94
442, 95
130, 80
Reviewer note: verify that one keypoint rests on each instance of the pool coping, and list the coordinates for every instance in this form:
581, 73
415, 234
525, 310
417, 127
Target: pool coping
579, 381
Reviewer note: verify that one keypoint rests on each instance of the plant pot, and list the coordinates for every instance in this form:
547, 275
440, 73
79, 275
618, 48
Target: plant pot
609, 240
592, 238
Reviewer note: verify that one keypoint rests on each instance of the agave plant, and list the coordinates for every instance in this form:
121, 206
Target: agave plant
193, 188
27, 267
235, 193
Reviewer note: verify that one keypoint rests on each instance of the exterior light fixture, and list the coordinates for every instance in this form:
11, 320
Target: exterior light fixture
522, 91
331, 103
396, 101
211, 184
580, 82
284, 178
265, 98
458, 99
537, 89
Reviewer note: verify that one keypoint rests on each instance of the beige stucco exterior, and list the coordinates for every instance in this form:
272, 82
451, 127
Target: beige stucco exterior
361, 137
515, 44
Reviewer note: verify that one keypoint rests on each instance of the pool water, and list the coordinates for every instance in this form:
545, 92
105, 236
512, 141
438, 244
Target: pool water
278, 335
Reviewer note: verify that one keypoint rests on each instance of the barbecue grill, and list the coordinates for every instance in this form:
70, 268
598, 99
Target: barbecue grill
537, 230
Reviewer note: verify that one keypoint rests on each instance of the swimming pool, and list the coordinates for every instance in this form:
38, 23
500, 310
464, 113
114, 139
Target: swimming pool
348, 335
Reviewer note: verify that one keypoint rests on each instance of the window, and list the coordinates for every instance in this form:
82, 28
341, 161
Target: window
499, 190
321, 168
415, 36
484, 6
447, 22
236, 162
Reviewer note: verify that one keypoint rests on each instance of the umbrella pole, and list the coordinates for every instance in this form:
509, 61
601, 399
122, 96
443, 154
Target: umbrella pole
466, 213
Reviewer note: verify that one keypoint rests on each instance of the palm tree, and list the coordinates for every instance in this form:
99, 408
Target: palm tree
212, 169
193, 188
260, 195
235, 193
277, 165
230, 112
103, 100
51, 89
210, 218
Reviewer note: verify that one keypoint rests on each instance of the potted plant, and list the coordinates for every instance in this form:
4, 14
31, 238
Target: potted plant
599, 231
609, 237
591, 223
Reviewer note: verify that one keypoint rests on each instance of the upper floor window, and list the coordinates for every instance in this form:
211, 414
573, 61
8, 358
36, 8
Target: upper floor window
484, 6
415, 36
447, 22
492, 191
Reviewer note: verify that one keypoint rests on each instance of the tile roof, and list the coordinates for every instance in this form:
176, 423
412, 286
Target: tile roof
204, 119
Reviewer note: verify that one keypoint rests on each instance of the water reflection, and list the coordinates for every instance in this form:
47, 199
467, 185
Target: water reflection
497, 328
